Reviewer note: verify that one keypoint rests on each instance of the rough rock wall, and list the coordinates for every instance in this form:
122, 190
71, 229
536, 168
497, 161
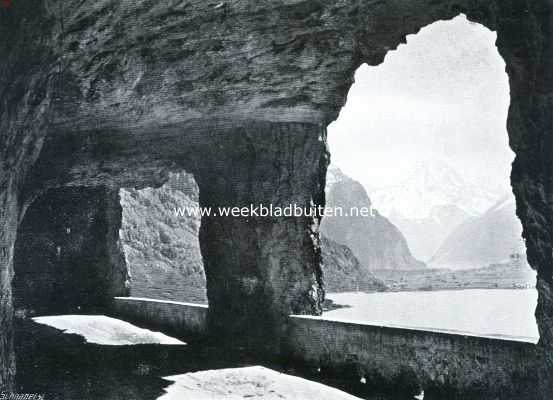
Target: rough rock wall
526, 44
119, 92
25, 96
261, 269
8, 229
68, 257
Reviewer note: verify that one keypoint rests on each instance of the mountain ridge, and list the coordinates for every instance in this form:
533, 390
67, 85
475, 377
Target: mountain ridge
430, 203
377, 242
490, 238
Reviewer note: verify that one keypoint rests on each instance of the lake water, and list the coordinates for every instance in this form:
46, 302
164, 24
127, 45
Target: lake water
482, 312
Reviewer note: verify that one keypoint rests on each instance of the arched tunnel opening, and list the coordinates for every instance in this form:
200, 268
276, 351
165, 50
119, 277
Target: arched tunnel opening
160, 238
422, 140
78, 247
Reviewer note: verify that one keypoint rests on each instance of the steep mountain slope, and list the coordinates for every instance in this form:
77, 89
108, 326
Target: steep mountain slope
343, 272
480, 241
376, 242
430, 204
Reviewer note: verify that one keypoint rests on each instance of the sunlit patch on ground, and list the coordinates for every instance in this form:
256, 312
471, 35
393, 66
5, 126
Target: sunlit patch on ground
249, 382
104, 330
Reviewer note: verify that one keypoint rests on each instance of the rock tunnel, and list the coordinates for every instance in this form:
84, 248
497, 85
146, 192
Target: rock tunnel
98, 96
68, 258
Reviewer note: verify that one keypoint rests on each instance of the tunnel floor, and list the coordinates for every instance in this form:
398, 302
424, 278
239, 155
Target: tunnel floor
65, 366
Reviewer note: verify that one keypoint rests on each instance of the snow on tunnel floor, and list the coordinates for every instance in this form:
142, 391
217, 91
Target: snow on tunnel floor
250, 382
104, 330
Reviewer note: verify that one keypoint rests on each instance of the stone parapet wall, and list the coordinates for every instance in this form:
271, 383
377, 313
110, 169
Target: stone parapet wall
181, 319
441, 364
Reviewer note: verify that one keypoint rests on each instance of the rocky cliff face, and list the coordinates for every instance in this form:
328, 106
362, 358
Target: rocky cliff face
373, 239
119, 93
162, 249
342, 271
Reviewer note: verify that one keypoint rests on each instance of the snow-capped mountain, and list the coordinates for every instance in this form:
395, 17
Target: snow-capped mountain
432, 184
430, 204
490, 238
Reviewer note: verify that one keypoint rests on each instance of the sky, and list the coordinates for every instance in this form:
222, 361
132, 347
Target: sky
444, 95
